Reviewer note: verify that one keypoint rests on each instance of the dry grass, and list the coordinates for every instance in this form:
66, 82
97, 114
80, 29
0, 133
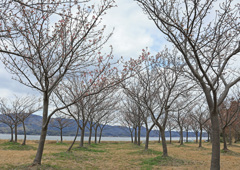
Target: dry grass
118, 155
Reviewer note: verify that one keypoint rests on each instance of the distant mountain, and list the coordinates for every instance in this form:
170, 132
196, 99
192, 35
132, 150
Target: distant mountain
34, 122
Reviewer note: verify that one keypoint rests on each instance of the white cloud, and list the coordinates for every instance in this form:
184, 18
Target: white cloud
133, 30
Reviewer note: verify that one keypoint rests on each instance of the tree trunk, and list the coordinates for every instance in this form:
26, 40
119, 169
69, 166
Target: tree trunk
90, 135
135, 137
164, 144
95, 140
147, 139
187, 135
15, 133
11, 140
82, 136
181, 136
69, 149
25, 135
196, 134
211, 136
200, 138
38, 157
139, 135
100, 136
170, 133
61, 135
215, 161
159, 137
230, 135
131, 136
208, 136
224, 140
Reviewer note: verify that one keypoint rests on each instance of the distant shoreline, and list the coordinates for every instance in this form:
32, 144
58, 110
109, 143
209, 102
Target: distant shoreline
109, 138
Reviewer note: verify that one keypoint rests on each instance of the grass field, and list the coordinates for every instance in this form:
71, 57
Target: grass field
115, 155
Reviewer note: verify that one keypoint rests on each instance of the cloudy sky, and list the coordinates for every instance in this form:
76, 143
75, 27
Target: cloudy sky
133, 31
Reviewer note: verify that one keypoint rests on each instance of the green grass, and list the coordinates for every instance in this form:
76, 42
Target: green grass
87, 149
230, 152
94, 145
64, 155
146, 152
160, 161
181, 145
59, 143
17, 146
28, 166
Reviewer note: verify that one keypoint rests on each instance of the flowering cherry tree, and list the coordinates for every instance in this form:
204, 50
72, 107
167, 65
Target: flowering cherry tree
47, 41
208, 39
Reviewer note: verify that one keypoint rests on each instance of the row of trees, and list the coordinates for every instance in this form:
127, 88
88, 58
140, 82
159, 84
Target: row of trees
160, 94
48, 45
55, 48
15, 112
208, 40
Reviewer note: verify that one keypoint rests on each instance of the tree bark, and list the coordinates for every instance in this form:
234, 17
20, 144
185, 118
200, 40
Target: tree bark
187, 135
159, 137
200, 138
69, 149
15, 133
131, 136
38, 157
61, 135
90, 135
135, 137
139, 135
11, 140
147, 139
164, 144
230, 135
224, 140
170, 133
215, 162
95, 140
181, 136
196, 134
82, 136
25, 134
100, 136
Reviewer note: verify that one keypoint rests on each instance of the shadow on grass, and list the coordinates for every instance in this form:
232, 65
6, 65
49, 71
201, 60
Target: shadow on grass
29, 167
146, 152
64, 155
59, 143
234, 145
16, 146
229, 152
181, 146
161, 161
87, 149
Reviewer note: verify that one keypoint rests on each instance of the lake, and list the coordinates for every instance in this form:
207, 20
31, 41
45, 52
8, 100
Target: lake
70, 138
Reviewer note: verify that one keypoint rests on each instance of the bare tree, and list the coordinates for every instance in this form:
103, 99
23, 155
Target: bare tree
228, 114
60, 122
17, 110
181, 114
126, 121
208, 41
170, 126
159, 86
43, 53
103, 122
187, 127
208, 128
4, 118
201, 116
